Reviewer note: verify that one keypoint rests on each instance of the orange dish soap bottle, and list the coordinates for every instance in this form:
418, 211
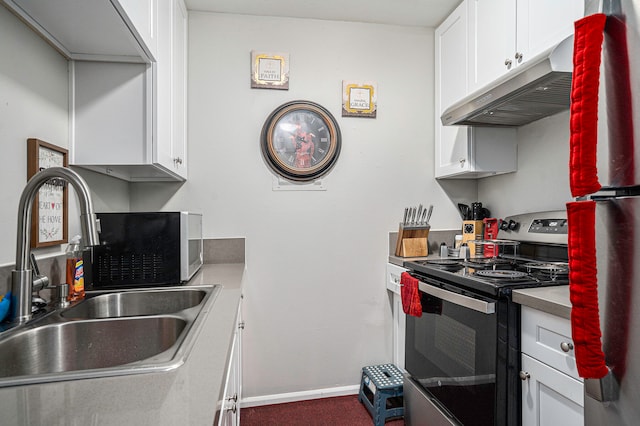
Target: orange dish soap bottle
75, 269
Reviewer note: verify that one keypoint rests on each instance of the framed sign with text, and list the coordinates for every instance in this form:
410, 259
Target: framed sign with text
49, 223
359, 99
269, 70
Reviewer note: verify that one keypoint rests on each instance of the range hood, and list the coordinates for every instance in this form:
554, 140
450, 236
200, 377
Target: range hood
539, 88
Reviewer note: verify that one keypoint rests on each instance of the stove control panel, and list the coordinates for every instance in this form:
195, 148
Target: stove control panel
549, 226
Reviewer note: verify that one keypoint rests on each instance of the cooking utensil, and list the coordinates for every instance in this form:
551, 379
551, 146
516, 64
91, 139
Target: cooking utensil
429, 214
465, 211
476, 211
406, 215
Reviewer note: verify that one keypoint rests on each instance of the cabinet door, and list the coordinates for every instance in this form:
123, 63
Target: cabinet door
230, 404
399, 331
143, 20
170, 146
549, 397
545, 23
451, 143
179, 88
492, 40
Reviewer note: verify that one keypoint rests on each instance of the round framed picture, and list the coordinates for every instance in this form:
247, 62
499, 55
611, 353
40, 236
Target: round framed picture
301, 140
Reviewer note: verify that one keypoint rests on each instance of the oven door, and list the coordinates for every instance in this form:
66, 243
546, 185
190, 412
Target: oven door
450, 353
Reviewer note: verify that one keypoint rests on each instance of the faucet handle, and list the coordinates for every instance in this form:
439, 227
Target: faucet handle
34, 264
39, 281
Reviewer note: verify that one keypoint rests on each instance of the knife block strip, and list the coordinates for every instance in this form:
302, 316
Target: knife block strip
412, 242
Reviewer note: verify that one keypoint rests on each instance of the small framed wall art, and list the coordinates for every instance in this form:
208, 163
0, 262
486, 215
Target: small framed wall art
359, 99
269, 70
49, 223
300, 141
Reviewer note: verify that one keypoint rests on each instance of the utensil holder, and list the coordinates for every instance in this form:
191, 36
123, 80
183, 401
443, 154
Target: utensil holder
412, 241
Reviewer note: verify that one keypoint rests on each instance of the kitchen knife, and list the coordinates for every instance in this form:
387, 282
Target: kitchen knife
424, 217
429, 214
406, 214
419, 213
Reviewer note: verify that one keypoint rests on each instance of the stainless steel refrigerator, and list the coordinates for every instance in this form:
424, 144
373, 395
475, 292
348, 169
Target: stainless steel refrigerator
613, 399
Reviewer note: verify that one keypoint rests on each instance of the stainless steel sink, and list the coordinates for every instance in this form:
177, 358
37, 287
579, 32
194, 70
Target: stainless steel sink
109, 334
85, 345
136, 303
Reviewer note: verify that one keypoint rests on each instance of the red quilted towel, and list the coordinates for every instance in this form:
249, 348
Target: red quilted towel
583, 287
410, 295
583, 124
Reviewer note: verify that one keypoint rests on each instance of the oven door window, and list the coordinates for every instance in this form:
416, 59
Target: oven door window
451, 353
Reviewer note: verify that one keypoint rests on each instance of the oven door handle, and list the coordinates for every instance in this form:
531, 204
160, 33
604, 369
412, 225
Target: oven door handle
458, 299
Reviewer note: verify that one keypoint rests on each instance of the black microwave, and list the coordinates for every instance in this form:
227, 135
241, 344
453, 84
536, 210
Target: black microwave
142, 249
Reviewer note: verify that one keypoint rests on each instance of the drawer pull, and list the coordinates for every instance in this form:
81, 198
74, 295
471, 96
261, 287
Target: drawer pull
524, 376
566, 346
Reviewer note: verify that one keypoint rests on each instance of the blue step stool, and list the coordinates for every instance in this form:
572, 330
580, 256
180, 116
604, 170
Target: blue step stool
381, 392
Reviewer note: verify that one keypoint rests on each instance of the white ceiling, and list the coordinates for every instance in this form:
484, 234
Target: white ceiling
423, 13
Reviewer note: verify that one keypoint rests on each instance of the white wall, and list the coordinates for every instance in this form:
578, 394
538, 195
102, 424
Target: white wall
542, 180
316, 306
34, 93
33, 104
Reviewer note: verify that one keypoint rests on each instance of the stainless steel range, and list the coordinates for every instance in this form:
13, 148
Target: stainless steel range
463, 353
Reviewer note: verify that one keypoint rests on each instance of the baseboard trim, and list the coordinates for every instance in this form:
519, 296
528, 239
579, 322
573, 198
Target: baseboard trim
281, 398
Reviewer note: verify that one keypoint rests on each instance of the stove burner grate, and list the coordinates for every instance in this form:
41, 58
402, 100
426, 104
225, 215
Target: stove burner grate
553, 270
486, 263
502, 274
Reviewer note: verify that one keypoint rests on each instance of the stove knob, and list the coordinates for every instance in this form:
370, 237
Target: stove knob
504, 225
513, 225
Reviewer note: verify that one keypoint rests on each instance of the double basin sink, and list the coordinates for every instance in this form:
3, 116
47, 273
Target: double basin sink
109, 333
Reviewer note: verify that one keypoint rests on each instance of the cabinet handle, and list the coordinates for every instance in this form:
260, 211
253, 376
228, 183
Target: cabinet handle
177, 160
241, 325
508, 62
462, 161
524, 376
519, 57
566, 346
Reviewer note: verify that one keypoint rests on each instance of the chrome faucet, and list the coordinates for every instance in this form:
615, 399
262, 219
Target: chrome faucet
21, 276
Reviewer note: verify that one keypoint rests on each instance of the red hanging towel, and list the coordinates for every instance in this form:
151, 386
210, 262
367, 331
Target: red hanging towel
583, 286
583, 124
410, 295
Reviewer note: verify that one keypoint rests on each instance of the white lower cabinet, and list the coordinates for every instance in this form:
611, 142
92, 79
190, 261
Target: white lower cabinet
399, 317
550, 397
552, 391
230, 403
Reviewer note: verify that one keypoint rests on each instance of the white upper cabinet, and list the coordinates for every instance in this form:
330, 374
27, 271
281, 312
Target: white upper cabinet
129, 120
171, 126
113, 30
506, 33
461, 151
